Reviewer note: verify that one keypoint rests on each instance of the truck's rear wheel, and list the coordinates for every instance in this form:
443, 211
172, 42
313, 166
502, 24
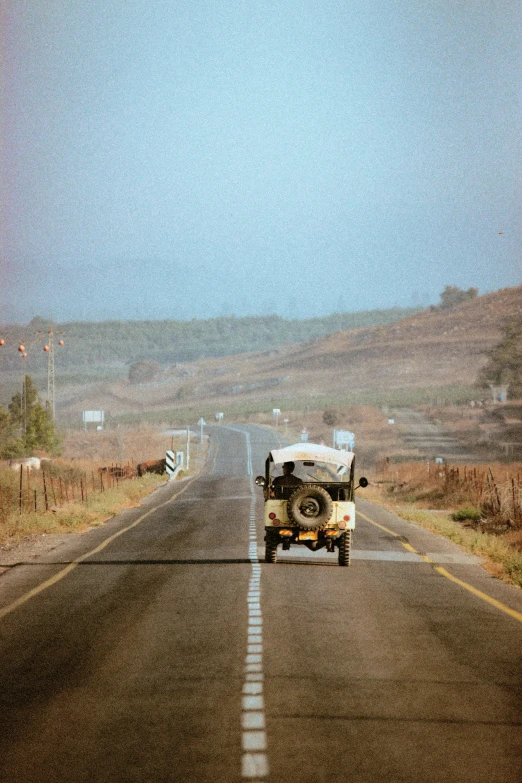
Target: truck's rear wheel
345, 548
271, 549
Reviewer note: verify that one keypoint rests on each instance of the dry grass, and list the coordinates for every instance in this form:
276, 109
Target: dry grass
121, 445
428, 495
503, 559
78, 517
76, 497
495, 490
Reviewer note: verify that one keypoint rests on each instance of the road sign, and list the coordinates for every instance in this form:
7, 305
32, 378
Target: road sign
343, 438
97, 417
170, 462
93, 416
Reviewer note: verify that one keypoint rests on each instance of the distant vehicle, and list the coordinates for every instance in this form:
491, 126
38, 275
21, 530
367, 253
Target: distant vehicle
313, 505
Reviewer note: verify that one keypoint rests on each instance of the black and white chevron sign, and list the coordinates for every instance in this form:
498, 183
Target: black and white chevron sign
170, 462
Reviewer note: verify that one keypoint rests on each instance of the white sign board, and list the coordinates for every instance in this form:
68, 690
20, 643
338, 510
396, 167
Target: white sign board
96, 417
93, 416
343, 438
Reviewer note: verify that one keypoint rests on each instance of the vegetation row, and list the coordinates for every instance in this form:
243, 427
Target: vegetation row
93, 344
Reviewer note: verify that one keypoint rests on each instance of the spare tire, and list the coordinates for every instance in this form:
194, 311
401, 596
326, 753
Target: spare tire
310, 507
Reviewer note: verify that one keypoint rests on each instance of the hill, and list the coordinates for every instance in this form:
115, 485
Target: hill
117, 344
421, 355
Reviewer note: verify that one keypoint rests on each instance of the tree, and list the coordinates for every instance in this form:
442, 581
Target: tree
6, 429
40, 432
331, 417
452, 295
144, 372
22, 403
32, 422
504, 365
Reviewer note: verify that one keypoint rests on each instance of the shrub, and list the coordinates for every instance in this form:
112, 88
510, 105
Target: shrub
144, 372
504, 365
466, 512
453, 295
331, 417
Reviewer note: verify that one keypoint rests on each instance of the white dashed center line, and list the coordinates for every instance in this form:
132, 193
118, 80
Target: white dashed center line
254, 760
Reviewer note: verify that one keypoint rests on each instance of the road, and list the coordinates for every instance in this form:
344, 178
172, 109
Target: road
159, 648
429, 439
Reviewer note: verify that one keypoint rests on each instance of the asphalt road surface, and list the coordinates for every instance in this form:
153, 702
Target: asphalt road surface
432, 440
161, 648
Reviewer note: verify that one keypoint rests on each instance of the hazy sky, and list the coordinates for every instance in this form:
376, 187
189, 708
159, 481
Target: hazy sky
192, 158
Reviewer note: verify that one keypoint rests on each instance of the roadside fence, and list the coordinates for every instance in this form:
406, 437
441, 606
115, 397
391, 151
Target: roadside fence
37, 491
495, 491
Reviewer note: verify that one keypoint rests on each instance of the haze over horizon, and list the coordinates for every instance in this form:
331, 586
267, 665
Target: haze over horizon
203, 158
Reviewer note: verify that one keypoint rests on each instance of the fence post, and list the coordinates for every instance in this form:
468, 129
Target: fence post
45, 491
516, 507
499, 503
28, 489
21, 489
52, 490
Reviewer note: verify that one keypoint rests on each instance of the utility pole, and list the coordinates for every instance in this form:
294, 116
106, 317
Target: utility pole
23, 397
49, 349
23, 406
50, 375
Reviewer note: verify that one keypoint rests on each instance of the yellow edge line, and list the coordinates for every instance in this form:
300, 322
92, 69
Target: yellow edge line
67, 570
484, 596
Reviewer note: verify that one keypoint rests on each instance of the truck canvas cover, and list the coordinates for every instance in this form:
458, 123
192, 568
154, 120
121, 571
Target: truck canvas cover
313, 452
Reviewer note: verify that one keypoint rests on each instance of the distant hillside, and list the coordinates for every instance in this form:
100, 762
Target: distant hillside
113, 343
426, 352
